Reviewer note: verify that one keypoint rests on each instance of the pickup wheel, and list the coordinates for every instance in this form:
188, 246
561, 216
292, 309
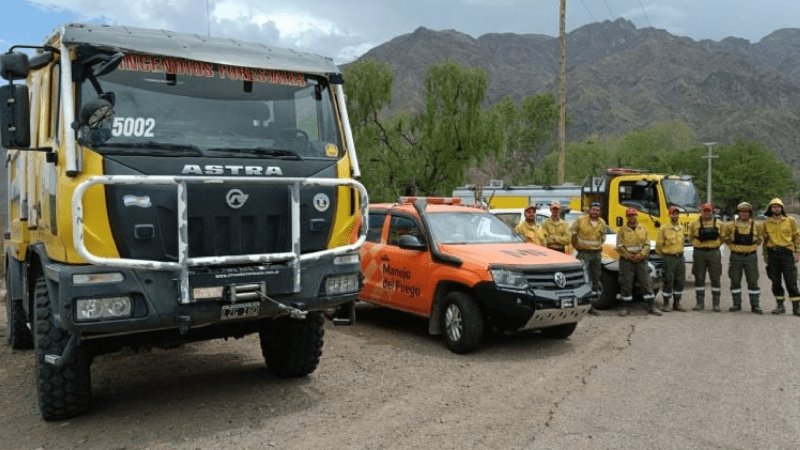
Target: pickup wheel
18, 334
610, 288
560, 331
65, 391
462, 324
292, 347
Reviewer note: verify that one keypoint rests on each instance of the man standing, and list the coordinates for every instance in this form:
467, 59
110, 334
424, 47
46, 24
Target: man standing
782, 251
706, 239
587, 235
743, 236
555, 230
669, 244
633, 245
528, 228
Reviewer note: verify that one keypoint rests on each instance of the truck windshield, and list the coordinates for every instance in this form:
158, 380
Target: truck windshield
681, 193
216, 110
469, 228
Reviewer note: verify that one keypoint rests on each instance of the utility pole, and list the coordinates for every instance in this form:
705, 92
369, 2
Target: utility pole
708, 189
562, 124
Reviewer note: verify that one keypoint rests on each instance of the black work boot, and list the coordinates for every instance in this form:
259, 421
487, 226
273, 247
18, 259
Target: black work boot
651, 308
700, 303
715, 302
737, 303
676, 304
626, 309
755, 304
796, 308
779, 309
665, 301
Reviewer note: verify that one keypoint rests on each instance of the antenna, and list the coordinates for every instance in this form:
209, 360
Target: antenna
208, 18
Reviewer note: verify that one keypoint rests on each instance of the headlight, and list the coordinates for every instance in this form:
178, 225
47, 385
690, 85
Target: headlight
103, 308
342, 284
510, 279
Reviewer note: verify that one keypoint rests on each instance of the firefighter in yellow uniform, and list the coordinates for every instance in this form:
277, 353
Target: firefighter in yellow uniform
706, 256
743, 236
669, 244
633, 245
782, 251
556, 231
528, 228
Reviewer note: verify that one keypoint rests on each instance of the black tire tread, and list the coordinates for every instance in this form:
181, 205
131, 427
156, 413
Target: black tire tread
471, 319
291, 347
64, 392
610, 288
18, 334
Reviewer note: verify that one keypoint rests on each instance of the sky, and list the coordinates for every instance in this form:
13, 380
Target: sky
346, 29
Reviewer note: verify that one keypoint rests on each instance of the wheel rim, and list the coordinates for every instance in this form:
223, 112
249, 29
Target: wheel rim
453, 323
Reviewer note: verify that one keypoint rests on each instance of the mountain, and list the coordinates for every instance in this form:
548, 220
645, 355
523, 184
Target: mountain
620, 78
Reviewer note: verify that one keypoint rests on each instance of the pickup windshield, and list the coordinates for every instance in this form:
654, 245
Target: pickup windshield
681, 193
221, 111
469, 228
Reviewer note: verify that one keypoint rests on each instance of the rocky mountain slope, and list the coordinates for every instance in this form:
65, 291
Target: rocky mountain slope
620, 78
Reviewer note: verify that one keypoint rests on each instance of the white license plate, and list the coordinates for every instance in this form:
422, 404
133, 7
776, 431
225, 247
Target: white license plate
240, 310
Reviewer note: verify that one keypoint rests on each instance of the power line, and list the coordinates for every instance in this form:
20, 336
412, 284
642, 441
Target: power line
609, 10
587, 10
645, 13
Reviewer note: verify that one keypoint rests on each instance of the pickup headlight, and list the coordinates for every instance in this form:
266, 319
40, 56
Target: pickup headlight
509, 279
103, 308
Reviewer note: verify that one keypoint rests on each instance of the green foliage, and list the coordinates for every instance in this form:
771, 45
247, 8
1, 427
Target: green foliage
427, 154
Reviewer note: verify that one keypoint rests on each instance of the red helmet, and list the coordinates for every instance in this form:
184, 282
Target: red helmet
673, 209
631, 212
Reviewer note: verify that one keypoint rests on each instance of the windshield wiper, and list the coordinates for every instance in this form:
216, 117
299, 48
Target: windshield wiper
259, 151
155, 147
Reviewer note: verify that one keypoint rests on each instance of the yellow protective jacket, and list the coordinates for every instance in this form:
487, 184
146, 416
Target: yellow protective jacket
783, 233
530, 232
586, 236
556, 233
633, 241
743, 237
695, 230
670, 240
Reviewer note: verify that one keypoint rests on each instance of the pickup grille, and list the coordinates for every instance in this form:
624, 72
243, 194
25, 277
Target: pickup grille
546, 279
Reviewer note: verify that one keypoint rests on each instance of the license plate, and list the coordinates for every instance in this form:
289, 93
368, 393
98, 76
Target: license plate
240, 310
567, 302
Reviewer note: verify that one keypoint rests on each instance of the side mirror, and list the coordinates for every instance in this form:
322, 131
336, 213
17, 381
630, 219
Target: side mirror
14, 66
95, 112
15, 122
410, 242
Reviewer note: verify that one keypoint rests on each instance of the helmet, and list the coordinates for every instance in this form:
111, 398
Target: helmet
774, 201
596, 204
555, 205
744, 206
631, 212
706, 207
533, 207
672, 209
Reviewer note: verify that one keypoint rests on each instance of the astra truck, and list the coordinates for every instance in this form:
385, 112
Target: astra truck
167, 188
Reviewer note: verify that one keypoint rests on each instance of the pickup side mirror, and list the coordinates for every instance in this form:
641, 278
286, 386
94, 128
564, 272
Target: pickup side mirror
15, 122
14, 66
411, 242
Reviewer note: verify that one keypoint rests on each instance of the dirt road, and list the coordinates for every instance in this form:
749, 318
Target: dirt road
699, 380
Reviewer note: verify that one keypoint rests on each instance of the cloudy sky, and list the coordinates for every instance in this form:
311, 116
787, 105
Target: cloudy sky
345, 29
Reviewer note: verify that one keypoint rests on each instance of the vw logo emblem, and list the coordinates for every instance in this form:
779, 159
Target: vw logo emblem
560, 279
321, 202
236, 198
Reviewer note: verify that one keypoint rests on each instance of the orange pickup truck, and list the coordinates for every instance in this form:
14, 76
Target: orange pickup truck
466, 271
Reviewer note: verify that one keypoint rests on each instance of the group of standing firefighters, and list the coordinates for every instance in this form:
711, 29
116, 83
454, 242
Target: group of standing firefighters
778, 235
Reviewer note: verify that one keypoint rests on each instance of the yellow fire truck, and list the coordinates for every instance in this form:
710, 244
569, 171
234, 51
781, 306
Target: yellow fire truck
165, 188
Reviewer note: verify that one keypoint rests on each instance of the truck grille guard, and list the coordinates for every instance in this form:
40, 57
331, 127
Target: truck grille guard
293, 257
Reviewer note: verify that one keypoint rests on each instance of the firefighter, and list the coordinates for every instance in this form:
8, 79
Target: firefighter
556, 231
706, 240
669, 244
528, 228
782, 251
633, 245
588, 233
743, 236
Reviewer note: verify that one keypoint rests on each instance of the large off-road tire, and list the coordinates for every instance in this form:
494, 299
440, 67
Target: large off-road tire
610, 288
17, 332
462, 323
292, 347
560, 331
65, 391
